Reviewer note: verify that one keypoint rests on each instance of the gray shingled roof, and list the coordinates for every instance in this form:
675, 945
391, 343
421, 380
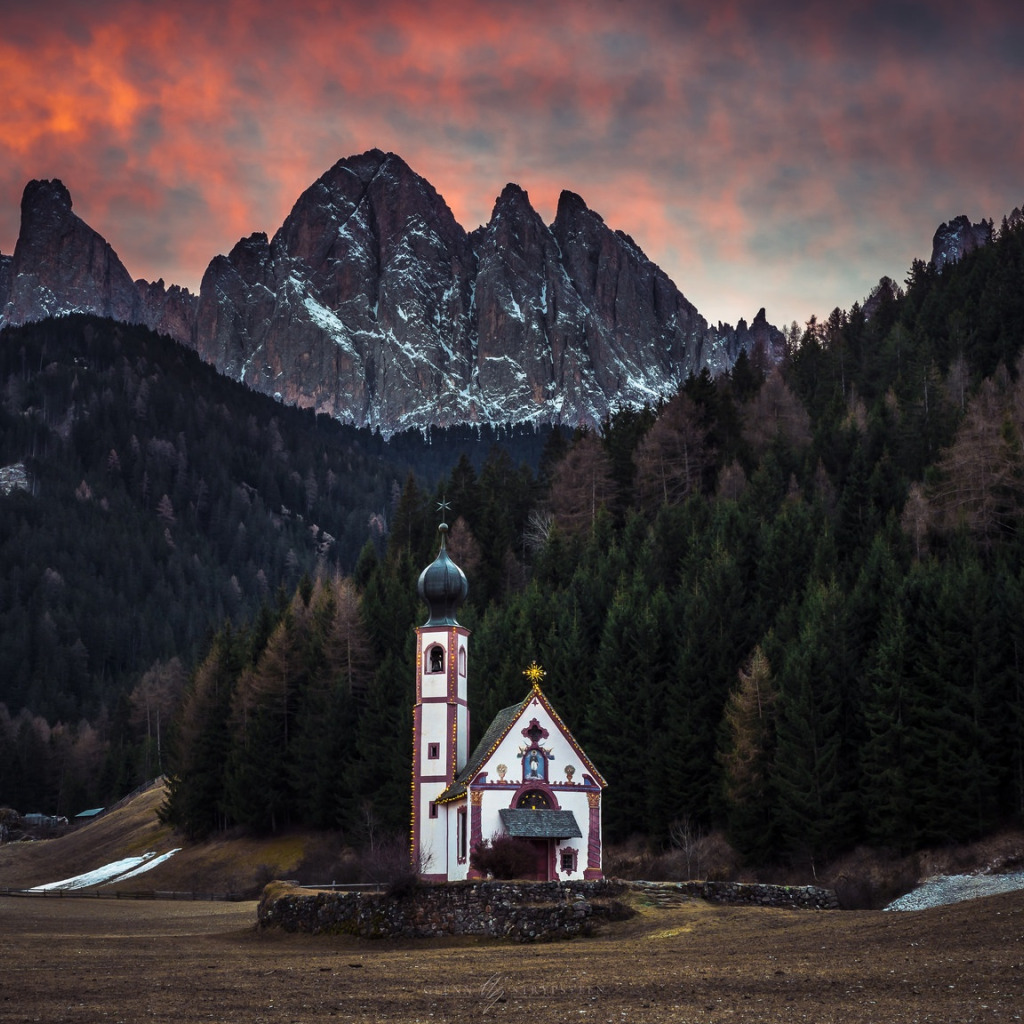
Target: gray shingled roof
524, 823
502, 721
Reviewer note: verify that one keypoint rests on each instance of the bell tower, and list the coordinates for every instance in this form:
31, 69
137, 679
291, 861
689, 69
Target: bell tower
441, 713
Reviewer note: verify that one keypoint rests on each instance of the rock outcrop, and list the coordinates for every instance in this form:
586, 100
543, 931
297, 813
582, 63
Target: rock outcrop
60, 265
953, 240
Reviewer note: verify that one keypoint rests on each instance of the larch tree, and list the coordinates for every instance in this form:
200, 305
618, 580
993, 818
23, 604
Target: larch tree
673, 455
980, 479
774, 413
746, 755
582, 485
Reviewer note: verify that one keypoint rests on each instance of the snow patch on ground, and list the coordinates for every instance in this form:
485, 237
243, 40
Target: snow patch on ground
116, 871
147, 866
941, 890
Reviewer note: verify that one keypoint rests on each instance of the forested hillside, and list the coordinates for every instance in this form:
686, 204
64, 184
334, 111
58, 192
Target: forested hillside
145, 500
788, 603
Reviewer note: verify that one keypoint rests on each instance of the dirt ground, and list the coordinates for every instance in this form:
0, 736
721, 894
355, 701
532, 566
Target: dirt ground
83, 960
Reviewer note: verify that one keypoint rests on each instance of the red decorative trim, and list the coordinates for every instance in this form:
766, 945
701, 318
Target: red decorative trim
594, 839
535, 724
452, 664
475, 828
538, 693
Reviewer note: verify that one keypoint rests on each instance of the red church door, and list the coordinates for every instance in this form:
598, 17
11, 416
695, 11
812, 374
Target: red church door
542, 852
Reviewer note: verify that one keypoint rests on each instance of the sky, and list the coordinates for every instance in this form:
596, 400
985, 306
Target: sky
783, 155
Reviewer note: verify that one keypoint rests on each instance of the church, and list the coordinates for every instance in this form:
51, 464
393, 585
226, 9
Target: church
527, 778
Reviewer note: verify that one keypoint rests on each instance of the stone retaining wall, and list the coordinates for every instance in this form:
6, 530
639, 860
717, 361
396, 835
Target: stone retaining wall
797, 897
521, 911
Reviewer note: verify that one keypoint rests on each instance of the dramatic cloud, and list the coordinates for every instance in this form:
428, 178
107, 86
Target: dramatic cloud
781, 155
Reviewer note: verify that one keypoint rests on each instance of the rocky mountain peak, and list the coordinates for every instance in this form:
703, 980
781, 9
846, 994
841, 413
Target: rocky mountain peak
373, 305
45, 199
61, 265
570, 207
953, 240
513, 201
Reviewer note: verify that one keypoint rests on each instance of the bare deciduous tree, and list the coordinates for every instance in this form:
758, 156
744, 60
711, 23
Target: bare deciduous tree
776, 412
582, 484
981, 475
673, 455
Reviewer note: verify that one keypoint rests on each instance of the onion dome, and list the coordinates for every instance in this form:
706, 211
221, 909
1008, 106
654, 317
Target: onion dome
443, 585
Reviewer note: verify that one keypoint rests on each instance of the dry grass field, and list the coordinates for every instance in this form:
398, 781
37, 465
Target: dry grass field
89, 960
83, 960
230, 864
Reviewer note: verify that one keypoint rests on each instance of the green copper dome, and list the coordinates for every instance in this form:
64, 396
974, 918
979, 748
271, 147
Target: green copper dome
443, 585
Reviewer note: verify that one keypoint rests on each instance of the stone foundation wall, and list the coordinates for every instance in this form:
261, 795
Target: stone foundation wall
520, 911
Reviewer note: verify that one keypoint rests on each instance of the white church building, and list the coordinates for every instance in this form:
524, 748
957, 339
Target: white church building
527, 778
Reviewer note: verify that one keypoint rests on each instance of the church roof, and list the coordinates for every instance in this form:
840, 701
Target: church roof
524, 823
443, 585
503, 721
496, 732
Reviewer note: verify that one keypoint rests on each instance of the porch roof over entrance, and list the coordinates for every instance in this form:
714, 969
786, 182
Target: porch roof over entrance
523, 823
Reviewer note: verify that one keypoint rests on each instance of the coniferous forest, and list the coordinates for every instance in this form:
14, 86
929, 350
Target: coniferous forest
788, 602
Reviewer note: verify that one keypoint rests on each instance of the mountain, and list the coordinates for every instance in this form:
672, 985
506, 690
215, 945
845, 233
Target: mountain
372, 305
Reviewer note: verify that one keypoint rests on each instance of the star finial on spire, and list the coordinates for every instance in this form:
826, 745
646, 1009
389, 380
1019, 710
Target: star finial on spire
535, 674
444, 506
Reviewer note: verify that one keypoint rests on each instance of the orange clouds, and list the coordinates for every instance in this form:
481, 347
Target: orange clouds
728, 141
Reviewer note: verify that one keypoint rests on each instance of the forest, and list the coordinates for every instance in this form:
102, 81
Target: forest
150, 500
787, 603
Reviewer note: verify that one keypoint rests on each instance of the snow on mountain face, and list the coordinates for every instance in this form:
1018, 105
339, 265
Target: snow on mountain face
372, 305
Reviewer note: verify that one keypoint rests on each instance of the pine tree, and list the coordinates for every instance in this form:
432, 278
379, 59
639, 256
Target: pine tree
712, 623
626, 705
197, 798
811, 782
582, 485
673, 456
954, 645
889, 756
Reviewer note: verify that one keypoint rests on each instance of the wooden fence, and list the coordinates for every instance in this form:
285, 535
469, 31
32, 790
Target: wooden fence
143, 894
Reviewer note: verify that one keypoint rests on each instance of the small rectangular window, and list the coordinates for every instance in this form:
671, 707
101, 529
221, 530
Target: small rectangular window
433, 809
433, 751
461, 839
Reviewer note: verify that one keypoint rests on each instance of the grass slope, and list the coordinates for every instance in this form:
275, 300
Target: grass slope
227, 864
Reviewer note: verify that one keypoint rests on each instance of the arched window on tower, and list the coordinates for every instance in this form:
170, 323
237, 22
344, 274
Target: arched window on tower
435, 659
462, 661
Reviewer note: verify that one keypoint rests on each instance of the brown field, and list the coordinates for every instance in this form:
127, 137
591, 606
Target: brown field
104, 960
90, 960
